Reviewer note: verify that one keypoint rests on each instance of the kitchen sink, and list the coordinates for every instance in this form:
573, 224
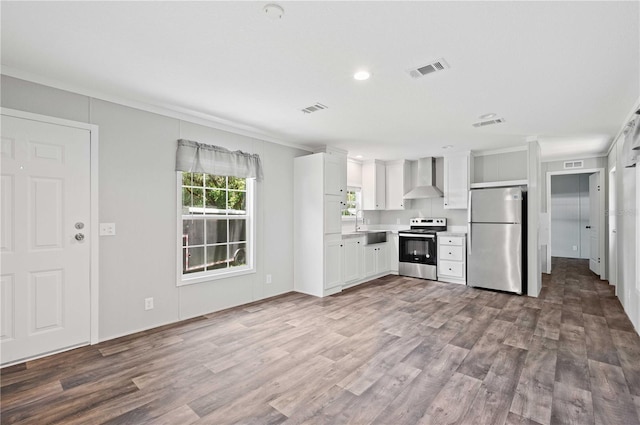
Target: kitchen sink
375, 237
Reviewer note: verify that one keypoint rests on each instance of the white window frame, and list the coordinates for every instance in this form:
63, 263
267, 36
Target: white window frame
358, 191
211, 275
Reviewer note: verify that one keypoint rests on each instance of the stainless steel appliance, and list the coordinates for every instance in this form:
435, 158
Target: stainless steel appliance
496, 239
417, 247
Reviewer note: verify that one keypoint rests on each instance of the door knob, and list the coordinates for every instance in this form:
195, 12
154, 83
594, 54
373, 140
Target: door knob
79, 237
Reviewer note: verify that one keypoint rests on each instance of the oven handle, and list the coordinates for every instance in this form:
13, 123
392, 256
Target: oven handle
414, 235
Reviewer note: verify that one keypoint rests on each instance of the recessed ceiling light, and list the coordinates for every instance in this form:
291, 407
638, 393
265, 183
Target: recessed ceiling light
358, 156
273, 11
447, 146
487, 116
362, 75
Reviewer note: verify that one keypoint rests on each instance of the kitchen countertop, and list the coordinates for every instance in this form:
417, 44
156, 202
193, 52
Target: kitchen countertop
456, 234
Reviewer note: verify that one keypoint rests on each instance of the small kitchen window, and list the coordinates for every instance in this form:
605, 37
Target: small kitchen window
215, 226
353, 203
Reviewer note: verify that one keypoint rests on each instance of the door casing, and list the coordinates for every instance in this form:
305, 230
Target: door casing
601, 208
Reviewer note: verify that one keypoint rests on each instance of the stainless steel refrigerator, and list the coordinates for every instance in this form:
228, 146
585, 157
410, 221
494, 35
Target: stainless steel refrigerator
496, 239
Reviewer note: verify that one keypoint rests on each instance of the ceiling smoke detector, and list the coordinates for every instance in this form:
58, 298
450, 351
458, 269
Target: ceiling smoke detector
273, 11
421, 71
488, 122
314, 108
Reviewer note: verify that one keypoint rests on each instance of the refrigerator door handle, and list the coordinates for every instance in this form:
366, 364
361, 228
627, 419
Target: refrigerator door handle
469, 220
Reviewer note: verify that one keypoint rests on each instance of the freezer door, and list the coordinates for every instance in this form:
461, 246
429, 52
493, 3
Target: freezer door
499, 205
494, 257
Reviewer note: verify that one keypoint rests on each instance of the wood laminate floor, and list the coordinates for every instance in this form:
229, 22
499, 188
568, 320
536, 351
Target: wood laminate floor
395, 351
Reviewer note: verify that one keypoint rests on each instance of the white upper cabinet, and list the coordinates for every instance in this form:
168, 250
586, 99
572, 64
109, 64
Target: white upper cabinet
398, 180
373, 185
456, 181
335, 175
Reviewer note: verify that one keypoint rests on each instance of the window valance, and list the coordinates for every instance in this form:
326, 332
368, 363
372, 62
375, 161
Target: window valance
202, 158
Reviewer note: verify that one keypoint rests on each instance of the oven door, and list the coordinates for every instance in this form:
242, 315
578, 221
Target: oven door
416, 248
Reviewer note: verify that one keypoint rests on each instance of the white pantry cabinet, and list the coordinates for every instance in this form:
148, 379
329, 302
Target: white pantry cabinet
317, 240
397, 181
456, 181
373, 185
335, 175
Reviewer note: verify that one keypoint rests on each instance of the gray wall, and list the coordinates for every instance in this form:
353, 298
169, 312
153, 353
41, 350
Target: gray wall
137, 185
570, 215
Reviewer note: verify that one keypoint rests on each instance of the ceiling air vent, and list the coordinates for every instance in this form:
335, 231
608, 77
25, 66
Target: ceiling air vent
421, 71
314, 108
569, 165
488, 122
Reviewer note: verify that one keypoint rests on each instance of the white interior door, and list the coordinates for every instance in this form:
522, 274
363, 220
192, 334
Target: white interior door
594, 223
45, 276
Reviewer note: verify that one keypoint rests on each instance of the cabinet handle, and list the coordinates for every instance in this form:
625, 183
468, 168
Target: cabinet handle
449, 253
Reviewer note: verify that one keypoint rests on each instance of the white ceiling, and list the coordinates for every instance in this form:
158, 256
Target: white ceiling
566, 73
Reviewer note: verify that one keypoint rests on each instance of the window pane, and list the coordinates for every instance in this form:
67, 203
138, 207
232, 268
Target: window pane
237, 202
186, 178
238, 254
198, 179
215, 181
237, 230
193, 232
217, 257
237, 183
193, 260
216, 199
196, 201
186, 199
216, 231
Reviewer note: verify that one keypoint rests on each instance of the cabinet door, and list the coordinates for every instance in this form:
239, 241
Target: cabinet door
373, 186
370, 253
382, 261
393, 253
332, 214
396, 180
352, 256
333, 259
335, 175
456, 181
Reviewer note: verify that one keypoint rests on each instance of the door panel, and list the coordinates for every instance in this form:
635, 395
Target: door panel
594, 223
45, 297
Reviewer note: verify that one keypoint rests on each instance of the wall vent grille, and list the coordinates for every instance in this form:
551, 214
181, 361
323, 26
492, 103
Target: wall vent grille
421, 71
570, 165
488, 122
314, 108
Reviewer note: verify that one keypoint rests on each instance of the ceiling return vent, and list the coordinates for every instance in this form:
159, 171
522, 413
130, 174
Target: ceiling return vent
314, 108
570, 165
421, 71
488, 122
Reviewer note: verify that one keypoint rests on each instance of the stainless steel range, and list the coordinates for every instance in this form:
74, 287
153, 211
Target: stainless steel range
418, 247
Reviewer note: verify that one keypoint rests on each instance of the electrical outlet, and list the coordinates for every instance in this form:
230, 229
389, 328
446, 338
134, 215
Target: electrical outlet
397, 221
148, 303
268, 278
575, 247
107, 229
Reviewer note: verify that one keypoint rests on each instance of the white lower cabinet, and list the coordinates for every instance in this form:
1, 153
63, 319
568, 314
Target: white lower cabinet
353, 258
333, 263
452, 259
375, 259
393, 253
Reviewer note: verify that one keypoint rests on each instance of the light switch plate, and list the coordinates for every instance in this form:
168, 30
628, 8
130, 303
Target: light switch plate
107, 229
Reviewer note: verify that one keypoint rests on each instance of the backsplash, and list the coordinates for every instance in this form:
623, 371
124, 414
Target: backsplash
419, 208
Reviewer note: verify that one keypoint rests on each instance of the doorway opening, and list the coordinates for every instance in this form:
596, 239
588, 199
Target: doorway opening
575, 204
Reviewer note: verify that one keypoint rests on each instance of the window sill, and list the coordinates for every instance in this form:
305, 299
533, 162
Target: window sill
186, 280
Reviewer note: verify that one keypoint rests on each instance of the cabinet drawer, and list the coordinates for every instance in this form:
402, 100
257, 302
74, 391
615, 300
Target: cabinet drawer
451, 268
451, 252
451, 240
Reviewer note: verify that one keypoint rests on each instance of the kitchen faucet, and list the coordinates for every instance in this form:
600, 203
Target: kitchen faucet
362, 215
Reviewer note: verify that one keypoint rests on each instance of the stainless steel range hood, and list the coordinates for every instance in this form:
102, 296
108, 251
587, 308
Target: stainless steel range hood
426, 187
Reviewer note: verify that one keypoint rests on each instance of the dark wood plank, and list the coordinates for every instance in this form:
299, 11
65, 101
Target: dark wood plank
571, 405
